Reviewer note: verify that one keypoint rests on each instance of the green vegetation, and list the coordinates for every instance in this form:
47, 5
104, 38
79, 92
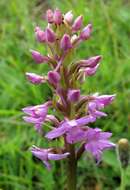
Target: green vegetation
111, 38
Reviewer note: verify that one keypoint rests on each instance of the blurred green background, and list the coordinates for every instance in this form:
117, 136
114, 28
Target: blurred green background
111, 38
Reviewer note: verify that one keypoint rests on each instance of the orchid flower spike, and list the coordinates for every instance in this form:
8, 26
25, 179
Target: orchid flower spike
68, 114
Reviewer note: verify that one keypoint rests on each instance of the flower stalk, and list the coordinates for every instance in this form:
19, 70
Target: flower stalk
71, 168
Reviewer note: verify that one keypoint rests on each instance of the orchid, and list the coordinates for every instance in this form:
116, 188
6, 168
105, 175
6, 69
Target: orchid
47, 154
97, 141
73, 112
36, 114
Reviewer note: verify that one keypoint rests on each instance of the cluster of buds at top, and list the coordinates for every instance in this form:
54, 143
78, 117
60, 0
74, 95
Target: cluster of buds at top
73, 112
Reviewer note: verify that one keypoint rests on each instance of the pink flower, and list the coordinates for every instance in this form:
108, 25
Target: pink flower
73, 112
97, 141
36, 114
103, 100
66, 126
47, 154
99, 102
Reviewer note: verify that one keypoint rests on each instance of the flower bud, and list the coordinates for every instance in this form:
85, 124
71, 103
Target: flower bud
91, 62
86, 32
40, 35
68, 17
34, 78
124, 152
77, 23
57, 17
53, 77
38, 57
73, 95
49, 16
50, 35
91, 71
65, 43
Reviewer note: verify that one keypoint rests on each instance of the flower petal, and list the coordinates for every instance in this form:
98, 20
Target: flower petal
57, 156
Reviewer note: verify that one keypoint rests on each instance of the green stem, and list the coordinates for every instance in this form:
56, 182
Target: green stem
122, 172
122, 186
71, 169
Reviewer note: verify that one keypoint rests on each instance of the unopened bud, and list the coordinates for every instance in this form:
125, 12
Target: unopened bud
91, 62
57, 17
49, 16
38, 57
40, 35
34, 78
50, 35
65, 43
68, 17
53, 77
73, 95
86, 32
77, 23
124, 152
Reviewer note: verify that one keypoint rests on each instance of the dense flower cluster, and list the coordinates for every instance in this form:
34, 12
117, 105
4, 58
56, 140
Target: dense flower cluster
73, 112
